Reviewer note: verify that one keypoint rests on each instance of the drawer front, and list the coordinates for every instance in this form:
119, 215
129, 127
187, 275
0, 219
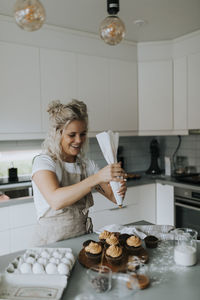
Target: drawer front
21, 238
4, 218
4, 242
102, 203
122, 216
23, 215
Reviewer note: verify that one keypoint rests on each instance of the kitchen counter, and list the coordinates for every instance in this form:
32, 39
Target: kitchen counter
180, 283
145, 179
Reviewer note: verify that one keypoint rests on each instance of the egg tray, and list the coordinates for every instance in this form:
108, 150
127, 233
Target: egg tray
41, 267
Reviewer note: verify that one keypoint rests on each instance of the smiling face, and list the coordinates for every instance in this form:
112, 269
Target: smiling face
72, 140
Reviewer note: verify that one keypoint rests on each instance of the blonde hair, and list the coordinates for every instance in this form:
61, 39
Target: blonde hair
60, 115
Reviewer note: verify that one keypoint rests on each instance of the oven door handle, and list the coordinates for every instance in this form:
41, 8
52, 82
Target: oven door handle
187, 206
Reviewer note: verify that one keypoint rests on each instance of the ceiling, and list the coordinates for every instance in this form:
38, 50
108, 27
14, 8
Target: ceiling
164, 19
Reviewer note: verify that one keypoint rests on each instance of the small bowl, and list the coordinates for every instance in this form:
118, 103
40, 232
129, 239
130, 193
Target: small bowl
100, 278
151, 241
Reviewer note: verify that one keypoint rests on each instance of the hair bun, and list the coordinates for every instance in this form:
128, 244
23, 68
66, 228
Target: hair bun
54, 107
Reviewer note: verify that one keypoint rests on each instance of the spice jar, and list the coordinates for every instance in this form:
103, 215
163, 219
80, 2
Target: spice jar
185, 251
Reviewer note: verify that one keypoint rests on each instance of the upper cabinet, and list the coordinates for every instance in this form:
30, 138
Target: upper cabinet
20, 90
180, 93
93, 89
58, 79
123, 95
155, 95
193, 91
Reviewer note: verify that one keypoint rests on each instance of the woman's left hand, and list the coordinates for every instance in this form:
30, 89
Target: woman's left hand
123, 189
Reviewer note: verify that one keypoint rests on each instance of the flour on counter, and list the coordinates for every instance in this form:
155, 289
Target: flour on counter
162, 262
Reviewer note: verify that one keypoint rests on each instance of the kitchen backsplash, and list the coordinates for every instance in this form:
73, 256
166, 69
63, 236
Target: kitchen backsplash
135, 150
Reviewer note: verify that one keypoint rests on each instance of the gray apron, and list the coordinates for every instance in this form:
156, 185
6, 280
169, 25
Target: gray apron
68, 222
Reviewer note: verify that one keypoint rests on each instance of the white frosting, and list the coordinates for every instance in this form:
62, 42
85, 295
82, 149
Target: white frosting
185, 255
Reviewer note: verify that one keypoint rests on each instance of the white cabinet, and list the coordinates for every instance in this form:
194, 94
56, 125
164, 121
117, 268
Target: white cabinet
105, 212
123, 95
93, 89
20, 89
147, 202
165, 204
58, 79
139, 204
155, 95
180, 93
17, 225
193, 91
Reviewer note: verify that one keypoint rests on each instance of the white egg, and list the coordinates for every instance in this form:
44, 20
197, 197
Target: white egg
54, 260
43, 261
26, 268
10, 268
63, 269
67, 261
45, 254
38, 268
70, 256
51, 268
57, 254
30, 260
68, 250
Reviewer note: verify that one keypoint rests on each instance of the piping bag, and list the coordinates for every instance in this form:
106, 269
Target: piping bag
108, 142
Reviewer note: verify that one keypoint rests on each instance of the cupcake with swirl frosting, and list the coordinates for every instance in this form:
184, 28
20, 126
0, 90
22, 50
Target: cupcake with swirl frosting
112, 240
114, 255
93, 251
104, 235
133, 244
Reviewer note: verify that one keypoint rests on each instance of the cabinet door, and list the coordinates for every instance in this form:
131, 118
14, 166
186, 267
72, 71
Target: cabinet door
23, 215
193, 91
93, 89
20, 89
122, 216
180, 93
58, 78
123, 95
165, 204
21, 238
147, 203
155, 95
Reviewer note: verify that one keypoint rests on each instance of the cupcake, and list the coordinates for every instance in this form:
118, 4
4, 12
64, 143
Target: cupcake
87, 242
93, 251
133, 244
123, 237
104, 235
151, 241
114, 255
112, 240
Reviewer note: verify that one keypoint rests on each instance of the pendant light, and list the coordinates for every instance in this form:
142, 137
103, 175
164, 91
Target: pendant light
112, 28
29, 14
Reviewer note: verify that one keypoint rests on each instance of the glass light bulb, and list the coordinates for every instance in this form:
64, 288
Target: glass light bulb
29, 14
112, 30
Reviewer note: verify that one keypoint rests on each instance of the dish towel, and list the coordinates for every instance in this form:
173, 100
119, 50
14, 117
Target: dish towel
162, 232
108, 142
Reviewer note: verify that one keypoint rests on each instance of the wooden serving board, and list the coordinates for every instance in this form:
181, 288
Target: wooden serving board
87, 263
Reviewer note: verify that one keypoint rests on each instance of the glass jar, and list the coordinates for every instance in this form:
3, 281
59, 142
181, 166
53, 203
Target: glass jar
185, 250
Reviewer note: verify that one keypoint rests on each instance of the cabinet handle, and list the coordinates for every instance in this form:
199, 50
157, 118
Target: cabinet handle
115, 208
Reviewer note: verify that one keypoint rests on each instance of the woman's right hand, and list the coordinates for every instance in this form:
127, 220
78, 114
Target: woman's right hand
112, 172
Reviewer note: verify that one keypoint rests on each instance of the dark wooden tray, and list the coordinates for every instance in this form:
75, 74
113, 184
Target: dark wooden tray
87, 263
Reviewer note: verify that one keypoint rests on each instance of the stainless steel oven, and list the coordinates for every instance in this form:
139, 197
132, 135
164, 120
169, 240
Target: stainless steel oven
187, 208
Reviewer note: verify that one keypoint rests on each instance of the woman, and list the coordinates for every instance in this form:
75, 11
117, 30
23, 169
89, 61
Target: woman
63, 179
